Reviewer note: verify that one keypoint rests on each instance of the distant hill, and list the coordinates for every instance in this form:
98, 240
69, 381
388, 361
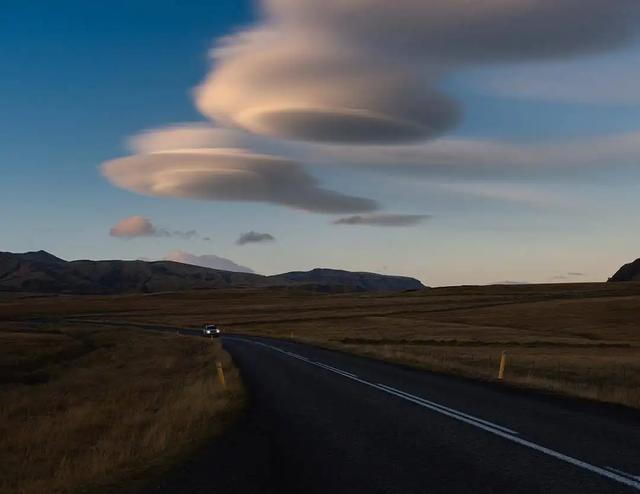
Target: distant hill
349, 281
628, 272
44, 272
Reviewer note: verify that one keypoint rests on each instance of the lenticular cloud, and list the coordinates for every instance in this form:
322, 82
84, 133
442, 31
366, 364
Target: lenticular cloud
290, 86
350, 72
363, 71
228, 175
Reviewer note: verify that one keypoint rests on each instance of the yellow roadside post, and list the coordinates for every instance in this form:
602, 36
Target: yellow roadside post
503, 364
221, 374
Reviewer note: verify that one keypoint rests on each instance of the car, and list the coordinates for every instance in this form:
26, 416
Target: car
211, 330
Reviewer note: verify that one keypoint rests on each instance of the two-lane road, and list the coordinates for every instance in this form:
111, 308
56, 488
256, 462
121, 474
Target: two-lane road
327, 422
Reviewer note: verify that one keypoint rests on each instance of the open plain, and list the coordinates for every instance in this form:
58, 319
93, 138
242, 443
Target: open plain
581, 340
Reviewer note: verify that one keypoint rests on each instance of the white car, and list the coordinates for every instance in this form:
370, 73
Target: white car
211, 330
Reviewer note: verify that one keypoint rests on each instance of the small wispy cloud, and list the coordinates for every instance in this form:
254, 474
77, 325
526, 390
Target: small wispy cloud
188, 235
139, 226
133, 226
514, 192
254, 238
457, 157
568, 276
602, 81
383, 219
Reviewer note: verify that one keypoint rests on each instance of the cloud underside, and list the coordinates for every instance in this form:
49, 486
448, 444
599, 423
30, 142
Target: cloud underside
368, 70
254, 237
207, 261
383, 220
342, 125
229, 175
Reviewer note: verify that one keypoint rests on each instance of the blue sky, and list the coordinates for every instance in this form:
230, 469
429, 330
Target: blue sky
81, 78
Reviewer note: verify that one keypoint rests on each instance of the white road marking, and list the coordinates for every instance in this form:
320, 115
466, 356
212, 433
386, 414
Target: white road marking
609, 472
339, 371
430, 404
295, 355
633, 477
402, 394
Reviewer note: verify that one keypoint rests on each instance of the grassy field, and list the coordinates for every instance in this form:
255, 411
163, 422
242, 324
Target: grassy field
576, 339
85, 408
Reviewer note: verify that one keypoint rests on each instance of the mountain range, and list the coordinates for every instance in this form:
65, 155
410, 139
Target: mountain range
44, 272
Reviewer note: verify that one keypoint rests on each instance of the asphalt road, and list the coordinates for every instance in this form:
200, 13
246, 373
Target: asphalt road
326, 422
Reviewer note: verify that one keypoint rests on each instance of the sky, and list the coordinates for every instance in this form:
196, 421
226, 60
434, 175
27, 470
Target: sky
452, 142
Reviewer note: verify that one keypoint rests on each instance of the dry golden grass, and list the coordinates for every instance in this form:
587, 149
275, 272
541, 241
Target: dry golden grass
90, 408
612, 375
577, 339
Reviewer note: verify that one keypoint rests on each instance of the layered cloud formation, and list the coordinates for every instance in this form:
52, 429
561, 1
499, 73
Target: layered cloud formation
368, 70
291, 85
229, 175
312, 76
191, 135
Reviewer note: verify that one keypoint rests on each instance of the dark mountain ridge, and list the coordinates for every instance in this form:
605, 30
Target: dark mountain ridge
359, 281
628, 272
44, 272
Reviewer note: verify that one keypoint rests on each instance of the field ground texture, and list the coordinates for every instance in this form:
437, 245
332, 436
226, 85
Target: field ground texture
581, 340
91, 408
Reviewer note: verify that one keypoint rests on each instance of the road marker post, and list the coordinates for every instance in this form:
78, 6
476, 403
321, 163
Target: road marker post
221, 374
503, 365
